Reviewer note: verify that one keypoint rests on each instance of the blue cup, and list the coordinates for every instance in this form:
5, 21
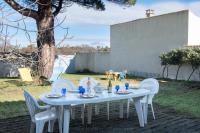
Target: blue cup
81, 90
63, 91
117, 88
126, 85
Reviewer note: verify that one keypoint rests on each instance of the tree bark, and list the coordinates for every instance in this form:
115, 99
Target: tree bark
45, 41
193, 69
163, 73
179, 66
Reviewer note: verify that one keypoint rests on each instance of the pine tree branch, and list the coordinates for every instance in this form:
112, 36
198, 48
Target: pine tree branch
22, 10
58, 8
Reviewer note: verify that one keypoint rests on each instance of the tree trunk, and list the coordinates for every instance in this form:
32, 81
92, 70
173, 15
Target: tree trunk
193, 69
163, 73
167, 71
179, 66
45, 41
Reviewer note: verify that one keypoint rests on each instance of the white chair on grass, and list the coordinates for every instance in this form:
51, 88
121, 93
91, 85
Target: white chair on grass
93, 83
39, 114
149, 84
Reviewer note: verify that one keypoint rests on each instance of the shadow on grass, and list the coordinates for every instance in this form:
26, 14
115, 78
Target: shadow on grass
85, 73
14, 82
9, 78
12, 109
103, 78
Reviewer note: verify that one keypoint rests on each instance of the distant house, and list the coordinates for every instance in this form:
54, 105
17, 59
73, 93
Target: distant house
136, 45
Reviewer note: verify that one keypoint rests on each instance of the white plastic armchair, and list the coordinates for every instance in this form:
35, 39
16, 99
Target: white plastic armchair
57, 87
62, 83
39, 114
152, 85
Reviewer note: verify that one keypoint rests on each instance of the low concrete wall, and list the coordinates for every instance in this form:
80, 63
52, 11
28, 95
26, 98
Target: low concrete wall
184, 73
101, 62
64, 61
96, 62
8, 70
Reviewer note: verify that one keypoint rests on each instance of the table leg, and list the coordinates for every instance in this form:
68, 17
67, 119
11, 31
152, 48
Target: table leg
59, 110
66, 119
139, 111
121, 109
108, 110
145, 110
89, 113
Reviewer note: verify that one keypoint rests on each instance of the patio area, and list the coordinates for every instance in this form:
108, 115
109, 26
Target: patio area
167, 121
176, 108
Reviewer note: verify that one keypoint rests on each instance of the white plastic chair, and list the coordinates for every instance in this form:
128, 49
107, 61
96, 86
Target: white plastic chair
152, 85
58, 84
39, 114
83, 82
57, 87
93, 83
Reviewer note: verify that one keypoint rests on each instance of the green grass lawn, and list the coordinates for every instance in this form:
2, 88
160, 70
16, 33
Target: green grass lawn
181, 96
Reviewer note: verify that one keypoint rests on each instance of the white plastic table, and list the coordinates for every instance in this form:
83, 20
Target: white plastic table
74, 98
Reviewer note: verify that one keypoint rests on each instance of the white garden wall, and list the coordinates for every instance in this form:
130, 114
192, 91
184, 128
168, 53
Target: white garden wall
96, 62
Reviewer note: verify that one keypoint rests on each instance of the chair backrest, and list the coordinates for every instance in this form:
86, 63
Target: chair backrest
31, 104
152, 85
83, 82
62, 83
25, 74
57, 71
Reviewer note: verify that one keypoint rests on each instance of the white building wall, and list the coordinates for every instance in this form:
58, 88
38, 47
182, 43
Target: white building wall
194, 30
136, 45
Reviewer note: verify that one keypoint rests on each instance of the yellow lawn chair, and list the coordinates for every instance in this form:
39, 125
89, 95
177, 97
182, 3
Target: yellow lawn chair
25, 74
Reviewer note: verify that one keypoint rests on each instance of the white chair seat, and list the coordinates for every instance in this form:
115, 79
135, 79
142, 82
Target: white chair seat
46, 115
40, 114
149, 99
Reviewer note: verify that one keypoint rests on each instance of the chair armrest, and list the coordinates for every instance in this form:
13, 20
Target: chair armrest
44, 107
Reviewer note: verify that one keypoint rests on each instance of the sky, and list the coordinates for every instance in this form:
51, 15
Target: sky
91, 27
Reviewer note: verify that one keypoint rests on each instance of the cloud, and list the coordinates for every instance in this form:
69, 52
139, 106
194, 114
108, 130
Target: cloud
115, 13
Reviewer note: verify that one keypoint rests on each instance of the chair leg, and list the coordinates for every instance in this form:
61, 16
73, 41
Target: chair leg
72, 113
108, 110
152, 111
96, 109
128, 106
121, 110
83, 114
89, 113
32, 127
51, 125
39, 126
